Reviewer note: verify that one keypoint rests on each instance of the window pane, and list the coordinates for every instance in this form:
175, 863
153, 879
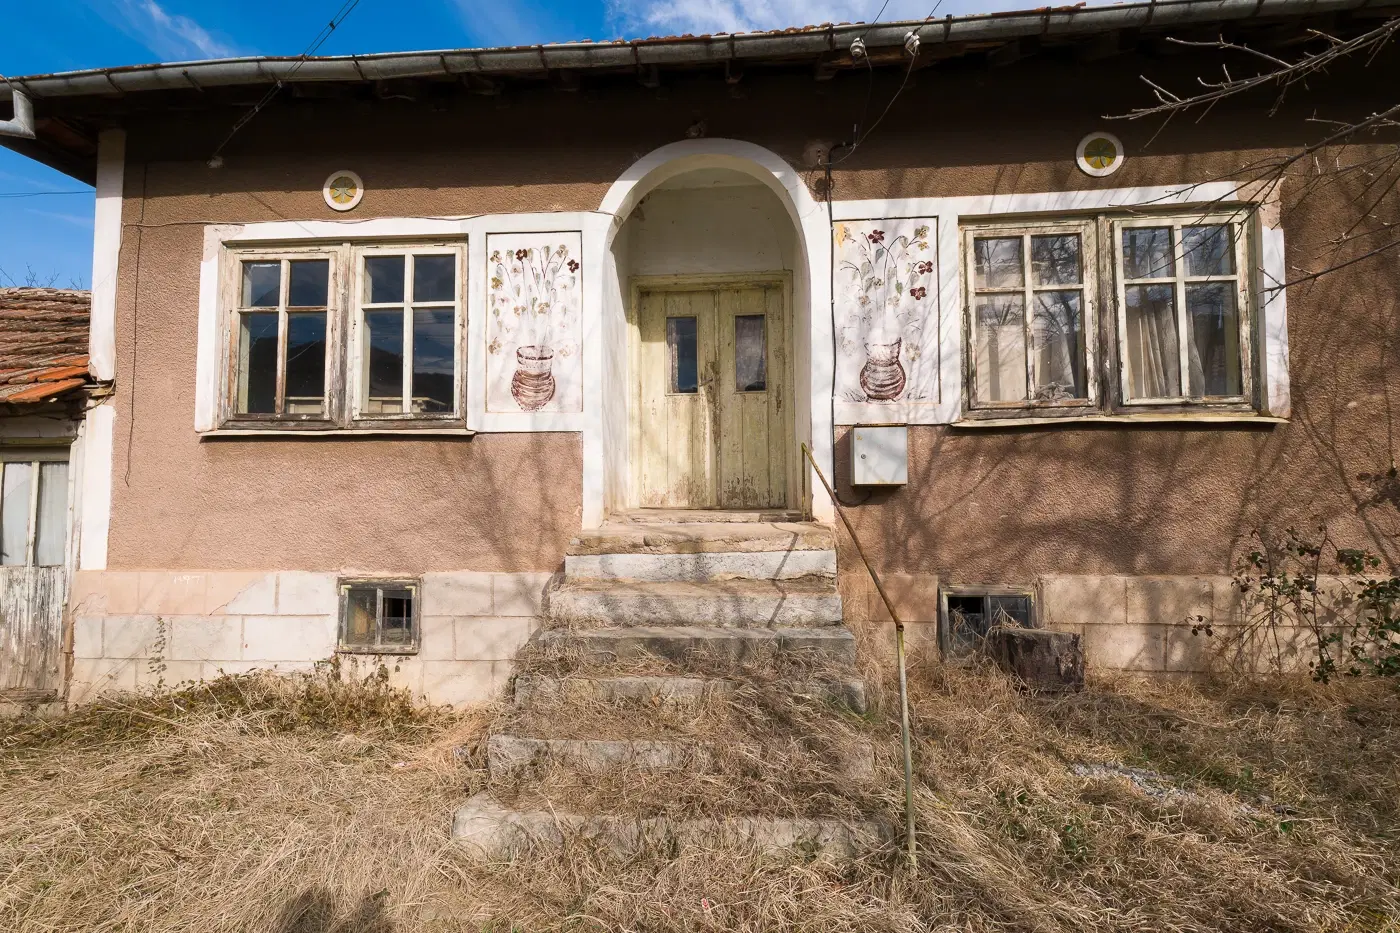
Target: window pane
1001, 348
750, 354
1214, 339
257, 363
384, 362
1147, 253
1057, 332
359, 617
14, 514
433, 359
1055, 260
384, 279
998, 263
434, 278
1209, 250
307, 283
1154, 366
306, 362
396, 627
262, 284
53, 514
682, 355
1008, 611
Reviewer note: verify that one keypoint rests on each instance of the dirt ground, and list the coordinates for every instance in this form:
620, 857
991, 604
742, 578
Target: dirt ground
261, 805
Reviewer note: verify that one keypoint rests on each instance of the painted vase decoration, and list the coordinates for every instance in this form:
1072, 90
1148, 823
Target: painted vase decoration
533, 386
882, 376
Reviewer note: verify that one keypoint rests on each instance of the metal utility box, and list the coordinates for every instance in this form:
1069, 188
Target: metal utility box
879, 455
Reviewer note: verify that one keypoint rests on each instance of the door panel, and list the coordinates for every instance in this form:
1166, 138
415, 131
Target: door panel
31, 628
753, 436
677, 353
711, 427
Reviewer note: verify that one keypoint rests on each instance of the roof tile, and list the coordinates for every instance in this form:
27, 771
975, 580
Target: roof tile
43, 342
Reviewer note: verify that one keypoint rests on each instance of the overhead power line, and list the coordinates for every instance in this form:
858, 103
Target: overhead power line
345, 10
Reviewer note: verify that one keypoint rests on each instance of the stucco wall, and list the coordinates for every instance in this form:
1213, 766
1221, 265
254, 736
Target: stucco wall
982, 506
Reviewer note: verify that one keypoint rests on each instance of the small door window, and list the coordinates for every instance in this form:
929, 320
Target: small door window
682, 356
750, 353
33, 513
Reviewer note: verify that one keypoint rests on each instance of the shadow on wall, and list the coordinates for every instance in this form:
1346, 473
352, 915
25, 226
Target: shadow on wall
314, 911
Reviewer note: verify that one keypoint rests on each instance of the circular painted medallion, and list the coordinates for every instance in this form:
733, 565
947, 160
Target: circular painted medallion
343, 190
1099, 154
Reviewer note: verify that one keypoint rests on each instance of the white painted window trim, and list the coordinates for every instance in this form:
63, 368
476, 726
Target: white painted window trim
391, 232
1271, 273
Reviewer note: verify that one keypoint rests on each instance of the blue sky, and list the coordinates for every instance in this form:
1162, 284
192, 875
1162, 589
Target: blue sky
51, 234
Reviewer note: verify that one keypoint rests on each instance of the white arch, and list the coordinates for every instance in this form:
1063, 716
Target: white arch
814, 342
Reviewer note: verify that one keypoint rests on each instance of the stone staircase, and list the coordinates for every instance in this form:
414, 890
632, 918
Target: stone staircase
693, 684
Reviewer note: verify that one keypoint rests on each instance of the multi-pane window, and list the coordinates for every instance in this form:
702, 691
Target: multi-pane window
281, 332
970, 613
345, 336
1180, 335
1179, 310
33, 512
1030, 302
407, 334
379, 616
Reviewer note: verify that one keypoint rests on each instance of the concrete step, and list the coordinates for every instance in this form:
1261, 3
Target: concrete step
673, 692
489, 831
709, 516
681, 643
701, 568
804, 603
509, 755
702, 538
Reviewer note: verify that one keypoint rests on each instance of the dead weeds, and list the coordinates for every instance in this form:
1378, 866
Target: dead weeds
255, 805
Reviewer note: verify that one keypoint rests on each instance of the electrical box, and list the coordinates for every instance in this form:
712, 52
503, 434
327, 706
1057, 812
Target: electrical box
879, 455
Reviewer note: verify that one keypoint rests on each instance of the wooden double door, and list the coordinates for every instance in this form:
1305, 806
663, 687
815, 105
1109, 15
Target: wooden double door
712, 420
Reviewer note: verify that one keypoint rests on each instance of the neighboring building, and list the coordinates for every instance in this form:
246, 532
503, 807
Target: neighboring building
429, 317
44, 389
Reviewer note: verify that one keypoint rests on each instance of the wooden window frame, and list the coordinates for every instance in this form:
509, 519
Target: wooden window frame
1243, 303
359, 379
945, 632
35, 459
234, 303
379, 585
1088, 287
343, 310
1106, 330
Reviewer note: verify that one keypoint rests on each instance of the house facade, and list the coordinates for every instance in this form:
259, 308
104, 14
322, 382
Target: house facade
380, 356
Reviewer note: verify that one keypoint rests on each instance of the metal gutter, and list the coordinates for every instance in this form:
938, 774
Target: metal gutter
583, 56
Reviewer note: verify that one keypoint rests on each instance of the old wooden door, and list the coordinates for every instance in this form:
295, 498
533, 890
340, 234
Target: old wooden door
711, 420
33, 581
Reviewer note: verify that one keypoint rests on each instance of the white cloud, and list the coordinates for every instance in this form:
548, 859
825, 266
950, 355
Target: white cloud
172, 36
702, 16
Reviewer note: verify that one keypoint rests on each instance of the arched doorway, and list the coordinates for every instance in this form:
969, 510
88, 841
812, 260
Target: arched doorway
708, 332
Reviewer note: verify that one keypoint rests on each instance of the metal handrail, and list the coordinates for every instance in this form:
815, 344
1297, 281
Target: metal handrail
899, 654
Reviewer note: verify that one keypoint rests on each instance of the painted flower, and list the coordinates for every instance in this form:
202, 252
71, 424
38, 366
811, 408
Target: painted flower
876, 236
573, 265
520, 254
924, 268
918, 293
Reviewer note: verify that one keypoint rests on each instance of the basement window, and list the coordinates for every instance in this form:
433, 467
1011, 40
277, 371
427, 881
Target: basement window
968, 613
379, 616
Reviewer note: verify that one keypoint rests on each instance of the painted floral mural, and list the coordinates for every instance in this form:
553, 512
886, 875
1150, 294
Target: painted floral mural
534, 321
886, 311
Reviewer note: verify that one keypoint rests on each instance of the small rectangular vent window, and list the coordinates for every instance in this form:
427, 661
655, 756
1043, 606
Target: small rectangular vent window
379, 616
970, 613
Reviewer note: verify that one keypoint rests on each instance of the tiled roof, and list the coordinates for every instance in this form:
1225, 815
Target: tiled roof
43, 343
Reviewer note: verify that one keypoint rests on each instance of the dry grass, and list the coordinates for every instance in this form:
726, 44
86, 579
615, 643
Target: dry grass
309, 807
